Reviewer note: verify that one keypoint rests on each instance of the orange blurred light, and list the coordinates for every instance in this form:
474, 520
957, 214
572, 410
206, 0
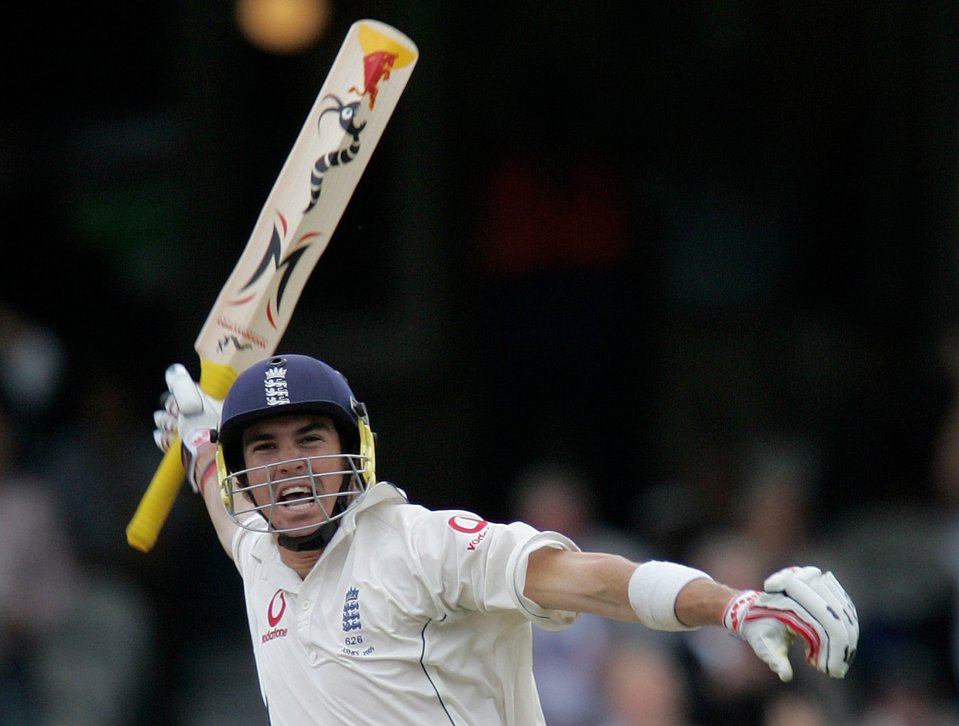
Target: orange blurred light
282, 26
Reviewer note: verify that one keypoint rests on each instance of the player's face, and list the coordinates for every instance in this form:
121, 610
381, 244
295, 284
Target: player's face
280, 447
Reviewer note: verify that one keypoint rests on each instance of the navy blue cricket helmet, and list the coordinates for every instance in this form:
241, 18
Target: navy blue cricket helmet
286, 385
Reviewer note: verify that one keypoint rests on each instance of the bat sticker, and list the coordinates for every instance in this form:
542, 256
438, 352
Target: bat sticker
237, 344
347, 119
272, 263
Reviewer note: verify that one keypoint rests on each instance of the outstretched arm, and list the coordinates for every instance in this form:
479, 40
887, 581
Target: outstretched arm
797, 602
597, 583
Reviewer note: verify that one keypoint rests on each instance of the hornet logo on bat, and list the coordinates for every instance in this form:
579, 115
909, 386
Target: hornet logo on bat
376, 68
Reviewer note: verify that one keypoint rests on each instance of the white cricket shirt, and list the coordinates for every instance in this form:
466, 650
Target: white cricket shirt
410, 616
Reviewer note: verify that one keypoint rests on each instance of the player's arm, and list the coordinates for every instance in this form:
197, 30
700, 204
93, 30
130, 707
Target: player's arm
206, 476
192, 416
597, 583
797, 602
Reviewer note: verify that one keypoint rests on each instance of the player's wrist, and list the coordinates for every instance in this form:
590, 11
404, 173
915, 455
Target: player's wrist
653, 590
208, 472
196, 451
734, 614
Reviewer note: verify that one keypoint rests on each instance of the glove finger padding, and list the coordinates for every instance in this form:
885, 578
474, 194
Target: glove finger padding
848, 613
770, 641
754, 616
823, 615
166, 428
186, 396
842, 657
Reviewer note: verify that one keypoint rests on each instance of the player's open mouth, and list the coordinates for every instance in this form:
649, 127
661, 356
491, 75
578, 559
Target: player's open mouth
296, 497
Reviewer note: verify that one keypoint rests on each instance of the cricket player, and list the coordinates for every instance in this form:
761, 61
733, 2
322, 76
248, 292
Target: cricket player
366, 608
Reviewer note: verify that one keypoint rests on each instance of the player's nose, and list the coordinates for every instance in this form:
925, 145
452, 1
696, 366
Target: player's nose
289, 461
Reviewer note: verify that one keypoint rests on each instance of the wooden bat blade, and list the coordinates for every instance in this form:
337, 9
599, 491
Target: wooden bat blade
315, 184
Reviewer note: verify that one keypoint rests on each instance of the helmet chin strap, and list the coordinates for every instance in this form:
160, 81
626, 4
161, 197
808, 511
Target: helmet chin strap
314, 541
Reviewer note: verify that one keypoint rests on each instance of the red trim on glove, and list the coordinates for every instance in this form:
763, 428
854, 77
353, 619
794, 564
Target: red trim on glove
794, 622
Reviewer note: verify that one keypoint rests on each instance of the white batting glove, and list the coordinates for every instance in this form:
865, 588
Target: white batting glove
188, 413
803, 602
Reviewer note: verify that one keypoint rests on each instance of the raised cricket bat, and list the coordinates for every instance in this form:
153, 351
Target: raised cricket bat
315, 184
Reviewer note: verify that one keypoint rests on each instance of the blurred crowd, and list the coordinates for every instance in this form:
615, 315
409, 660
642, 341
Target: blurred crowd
93, 632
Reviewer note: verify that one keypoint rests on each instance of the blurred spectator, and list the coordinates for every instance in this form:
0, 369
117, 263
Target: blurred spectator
135, 614
694, 497
560, 496
945, 464
38, 585
906, 689
94, 669
945, 476
77, 631
900, 561
730, 684
99, 468
769, 527
32, 359
890, 558
793, 706
779, 484
568, 664
645, 685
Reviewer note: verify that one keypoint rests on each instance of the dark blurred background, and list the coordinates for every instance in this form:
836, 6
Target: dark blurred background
635, 237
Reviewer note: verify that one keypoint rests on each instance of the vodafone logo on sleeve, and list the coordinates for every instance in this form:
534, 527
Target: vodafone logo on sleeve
470, 525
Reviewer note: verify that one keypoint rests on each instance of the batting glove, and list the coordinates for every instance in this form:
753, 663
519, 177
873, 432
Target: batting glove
803, 602
188, 413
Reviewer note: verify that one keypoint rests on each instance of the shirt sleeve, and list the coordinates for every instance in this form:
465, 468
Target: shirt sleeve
475, 565
516, 568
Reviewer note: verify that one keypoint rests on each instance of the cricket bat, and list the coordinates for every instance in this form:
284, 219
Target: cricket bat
292, 231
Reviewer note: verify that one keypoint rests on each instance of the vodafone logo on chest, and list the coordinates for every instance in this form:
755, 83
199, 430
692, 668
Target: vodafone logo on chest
470, 525
276, 608
274, 613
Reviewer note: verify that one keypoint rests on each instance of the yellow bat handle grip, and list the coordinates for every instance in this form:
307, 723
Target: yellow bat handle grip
144, 528
154, 507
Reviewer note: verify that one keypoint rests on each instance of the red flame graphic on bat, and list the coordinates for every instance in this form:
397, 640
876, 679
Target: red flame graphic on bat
376, 68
